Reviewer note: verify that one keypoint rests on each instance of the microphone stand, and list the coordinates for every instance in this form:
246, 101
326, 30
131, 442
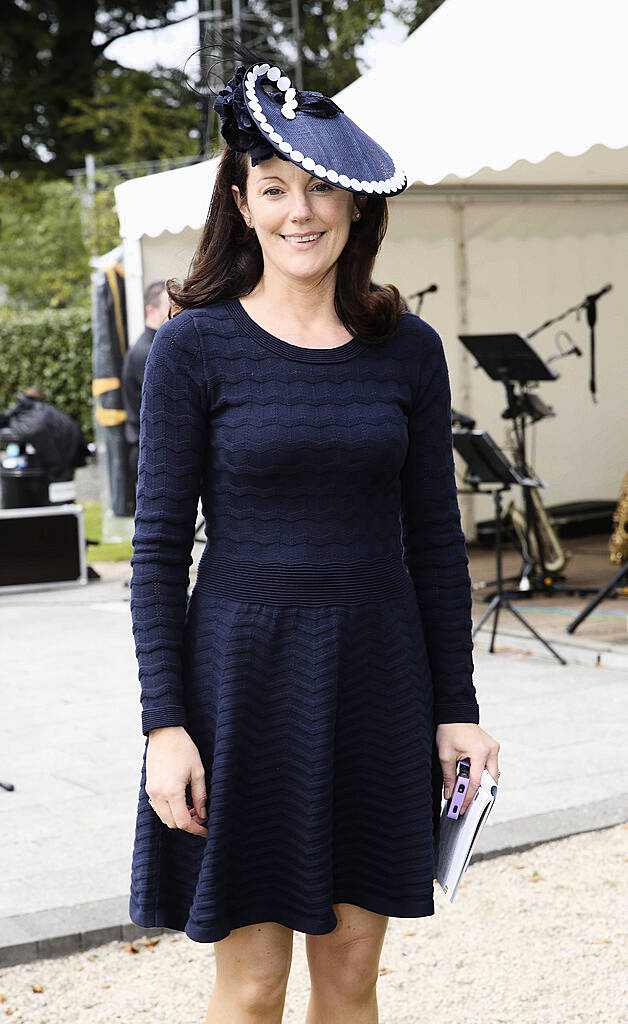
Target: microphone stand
420, 294
589, 304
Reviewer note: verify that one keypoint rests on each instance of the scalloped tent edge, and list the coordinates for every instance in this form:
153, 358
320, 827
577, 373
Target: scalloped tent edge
457, 109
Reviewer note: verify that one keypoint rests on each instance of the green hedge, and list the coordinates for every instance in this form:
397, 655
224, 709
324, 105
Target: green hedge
52, 349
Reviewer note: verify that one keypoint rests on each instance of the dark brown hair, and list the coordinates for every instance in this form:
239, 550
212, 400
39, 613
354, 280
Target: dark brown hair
228, 261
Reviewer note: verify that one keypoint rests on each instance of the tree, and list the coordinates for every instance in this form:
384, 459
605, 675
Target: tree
51, 52
60, 98
45, 261
413, 13
137, 115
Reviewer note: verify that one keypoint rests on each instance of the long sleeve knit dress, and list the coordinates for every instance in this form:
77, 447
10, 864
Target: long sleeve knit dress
327, 634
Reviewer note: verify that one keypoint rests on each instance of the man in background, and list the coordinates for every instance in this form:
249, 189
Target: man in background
156, 304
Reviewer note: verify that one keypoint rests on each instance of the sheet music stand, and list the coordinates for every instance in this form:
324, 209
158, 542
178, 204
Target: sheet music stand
487, 464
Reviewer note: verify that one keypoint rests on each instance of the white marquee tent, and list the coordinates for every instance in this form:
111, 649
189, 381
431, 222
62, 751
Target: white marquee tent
508, 117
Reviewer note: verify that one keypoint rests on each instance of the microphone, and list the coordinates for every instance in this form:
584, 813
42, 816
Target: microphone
593, 298
432, 288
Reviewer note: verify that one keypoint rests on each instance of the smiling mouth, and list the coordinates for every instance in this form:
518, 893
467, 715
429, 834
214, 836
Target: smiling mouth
304, 239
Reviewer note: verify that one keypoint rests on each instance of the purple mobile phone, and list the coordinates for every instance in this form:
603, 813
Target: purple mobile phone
460, 788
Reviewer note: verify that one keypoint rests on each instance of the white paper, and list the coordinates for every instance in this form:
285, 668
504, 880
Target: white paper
458, 836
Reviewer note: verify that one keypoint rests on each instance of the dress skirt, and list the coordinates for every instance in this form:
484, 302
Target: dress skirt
308, 694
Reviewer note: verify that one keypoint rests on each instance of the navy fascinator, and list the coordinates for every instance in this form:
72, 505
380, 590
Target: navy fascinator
262, 114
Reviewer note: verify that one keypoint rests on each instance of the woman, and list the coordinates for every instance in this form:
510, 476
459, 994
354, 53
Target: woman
314, 693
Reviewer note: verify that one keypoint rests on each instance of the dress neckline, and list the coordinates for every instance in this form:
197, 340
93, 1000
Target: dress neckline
337, 354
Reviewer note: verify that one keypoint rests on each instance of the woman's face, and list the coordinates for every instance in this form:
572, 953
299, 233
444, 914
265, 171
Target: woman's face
282, 201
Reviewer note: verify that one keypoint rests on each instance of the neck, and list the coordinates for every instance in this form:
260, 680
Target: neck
303, 304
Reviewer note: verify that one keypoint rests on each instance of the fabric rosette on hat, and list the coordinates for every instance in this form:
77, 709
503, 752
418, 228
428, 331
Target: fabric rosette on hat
263, 114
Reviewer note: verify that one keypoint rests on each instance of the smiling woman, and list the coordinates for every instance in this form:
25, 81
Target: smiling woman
248, 248
305, 703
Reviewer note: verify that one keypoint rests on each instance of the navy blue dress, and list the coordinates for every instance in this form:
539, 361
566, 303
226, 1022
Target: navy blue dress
327, 634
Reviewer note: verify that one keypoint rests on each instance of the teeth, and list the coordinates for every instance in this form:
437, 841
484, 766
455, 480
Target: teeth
304, 238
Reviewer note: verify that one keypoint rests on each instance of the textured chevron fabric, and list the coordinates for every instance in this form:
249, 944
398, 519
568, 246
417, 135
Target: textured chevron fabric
328, 631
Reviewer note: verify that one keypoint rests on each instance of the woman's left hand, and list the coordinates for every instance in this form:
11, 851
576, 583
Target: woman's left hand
465, 739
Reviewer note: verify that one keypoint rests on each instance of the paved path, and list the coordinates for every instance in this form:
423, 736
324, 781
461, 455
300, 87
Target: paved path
70, 741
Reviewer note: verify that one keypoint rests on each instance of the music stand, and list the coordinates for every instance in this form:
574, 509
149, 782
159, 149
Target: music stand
510, 358
488, 464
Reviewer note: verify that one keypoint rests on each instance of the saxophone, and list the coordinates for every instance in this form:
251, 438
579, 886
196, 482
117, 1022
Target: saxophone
618, 540
555, 557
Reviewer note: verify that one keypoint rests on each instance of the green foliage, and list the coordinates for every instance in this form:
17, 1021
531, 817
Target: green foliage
43, 261
51, 349
50, 52
101, 227
136, 115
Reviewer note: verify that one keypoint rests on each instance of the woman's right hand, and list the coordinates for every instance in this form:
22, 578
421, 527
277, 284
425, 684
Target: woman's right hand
173, 760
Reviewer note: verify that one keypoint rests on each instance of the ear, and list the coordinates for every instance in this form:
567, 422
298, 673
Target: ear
240, 203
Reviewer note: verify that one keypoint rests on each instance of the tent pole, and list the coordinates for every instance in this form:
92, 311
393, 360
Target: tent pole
133, 288
462, 367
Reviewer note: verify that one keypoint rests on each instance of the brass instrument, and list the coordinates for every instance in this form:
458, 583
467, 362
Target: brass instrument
555, 557
618, 540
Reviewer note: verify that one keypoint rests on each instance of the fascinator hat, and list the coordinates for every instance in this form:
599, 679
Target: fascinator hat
263, 114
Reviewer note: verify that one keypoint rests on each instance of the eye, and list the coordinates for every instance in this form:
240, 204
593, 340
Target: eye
274, 188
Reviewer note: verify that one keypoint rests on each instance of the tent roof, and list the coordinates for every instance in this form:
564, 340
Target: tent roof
480, 86
168, 201
484, 83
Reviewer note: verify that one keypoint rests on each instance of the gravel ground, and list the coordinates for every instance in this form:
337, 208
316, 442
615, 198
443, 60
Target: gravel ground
534, 938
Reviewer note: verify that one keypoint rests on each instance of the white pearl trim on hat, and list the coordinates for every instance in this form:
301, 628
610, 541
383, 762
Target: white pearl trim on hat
393, 184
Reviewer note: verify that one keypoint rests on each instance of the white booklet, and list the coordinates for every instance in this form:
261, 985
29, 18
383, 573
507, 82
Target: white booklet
457, 836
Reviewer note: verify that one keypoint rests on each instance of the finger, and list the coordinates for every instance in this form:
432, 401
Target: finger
492, 764
197, 827
183, 818
199, 796
162, 810
448, 766
196, 818
475, 776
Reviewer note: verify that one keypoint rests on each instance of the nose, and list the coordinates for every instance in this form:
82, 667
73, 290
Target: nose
300, 207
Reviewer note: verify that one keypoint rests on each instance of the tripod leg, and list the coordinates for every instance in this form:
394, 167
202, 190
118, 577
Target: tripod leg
488, 612
601, 594
537, 635
497, 609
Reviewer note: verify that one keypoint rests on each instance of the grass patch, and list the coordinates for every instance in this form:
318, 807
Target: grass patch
92, 516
